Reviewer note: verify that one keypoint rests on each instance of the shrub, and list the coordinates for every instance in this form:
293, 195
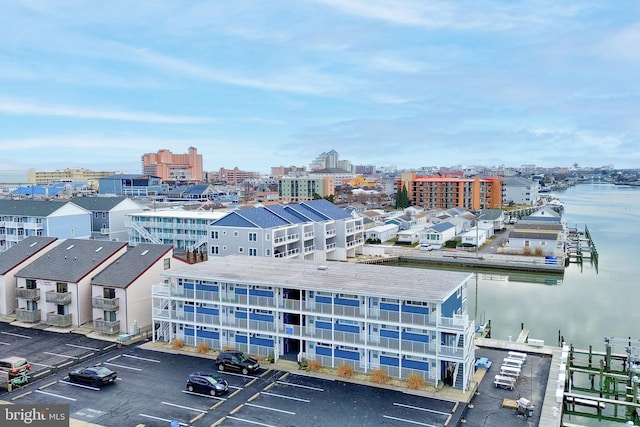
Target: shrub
203, 347
313, 366
538, 252
345, 371
526, 251
302, 364
177, 344
379, 376
415, 382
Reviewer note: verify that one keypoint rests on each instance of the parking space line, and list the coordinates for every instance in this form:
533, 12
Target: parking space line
86, 355
183, 407
236, 387
40, 364
56, 395
249, 421
21, 395
421, 409
285, 397
162, 419
238, 375
300, 385
204, 395
4, 343
109, 347
114, 358
408, 421
270, 409
140, 358
79, 385
123, 367
16, 335
60, 355
83, 347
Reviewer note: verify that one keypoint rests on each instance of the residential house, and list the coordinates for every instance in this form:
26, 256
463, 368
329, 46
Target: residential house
13, 260
520, 191
381, 233
403, 321
55, 288
109, 216
191, 192
437, 234
316, 229
541, 233
20, 219
121, 293
132, 185
410, 236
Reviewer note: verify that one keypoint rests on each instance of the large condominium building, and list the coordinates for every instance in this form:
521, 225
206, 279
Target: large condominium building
300, 189
233, 176
174, 167
443, 192
404, 321
185, 230
71, 175
316, 229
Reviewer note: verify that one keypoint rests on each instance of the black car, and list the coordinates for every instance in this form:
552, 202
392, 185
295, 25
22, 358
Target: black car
201, 382
95, 376
238, 361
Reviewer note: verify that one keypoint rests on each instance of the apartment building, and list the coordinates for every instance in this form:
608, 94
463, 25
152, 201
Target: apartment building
404, 321
55, 288
184, 230
444, 192
20, 219
174, 167
108, 216
521, 191
292, 189
132, 185
233, 176
316, 229
65, 175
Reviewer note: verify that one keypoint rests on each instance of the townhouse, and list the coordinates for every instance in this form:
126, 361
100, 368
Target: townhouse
316, 229
55, 288
121, 293
108, 216
401, 320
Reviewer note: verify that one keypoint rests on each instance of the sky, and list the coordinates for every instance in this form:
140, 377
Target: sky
256, 84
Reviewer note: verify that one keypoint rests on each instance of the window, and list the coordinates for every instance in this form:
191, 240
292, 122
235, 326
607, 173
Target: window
253, 252
214, 235
215, 250
240, 250
110, 316
167, 263
235, 234
253, 237
419, 303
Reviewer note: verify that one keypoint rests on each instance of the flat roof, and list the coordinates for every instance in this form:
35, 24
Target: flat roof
331, 276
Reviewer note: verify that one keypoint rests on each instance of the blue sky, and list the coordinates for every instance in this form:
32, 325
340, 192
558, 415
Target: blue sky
256, 84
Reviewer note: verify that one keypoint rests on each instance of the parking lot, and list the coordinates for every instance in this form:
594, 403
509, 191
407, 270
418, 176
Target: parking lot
150, 390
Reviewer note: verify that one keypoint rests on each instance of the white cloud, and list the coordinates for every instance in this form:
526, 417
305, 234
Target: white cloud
19, 107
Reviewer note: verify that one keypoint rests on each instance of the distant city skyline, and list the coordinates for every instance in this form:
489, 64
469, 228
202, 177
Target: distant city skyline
256, 85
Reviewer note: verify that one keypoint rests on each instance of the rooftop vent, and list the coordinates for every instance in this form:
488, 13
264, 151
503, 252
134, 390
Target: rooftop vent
99, 249
69, 247
323, 267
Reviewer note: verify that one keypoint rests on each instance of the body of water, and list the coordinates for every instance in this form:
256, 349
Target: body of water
586, 303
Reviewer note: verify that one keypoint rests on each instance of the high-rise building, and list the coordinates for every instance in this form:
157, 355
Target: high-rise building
174, 167
445, 192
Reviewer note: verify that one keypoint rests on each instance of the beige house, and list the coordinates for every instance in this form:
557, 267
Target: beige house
55, 288
121, 293
14, 259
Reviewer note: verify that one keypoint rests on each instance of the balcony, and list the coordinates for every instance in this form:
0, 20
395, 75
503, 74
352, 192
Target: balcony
60, 320
29, 294
24, 315
59, 298
106, 304
106, 327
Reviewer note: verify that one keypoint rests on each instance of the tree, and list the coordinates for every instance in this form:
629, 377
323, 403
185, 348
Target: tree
402, 198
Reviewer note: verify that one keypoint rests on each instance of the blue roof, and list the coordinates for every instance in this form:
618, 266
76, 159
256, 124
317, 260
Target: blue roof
327, 208
289, 214
37, 190
443, 226
253, 217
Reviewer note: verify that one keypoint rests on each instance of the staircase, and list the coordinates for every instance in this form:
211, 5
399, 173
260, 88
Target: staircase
144, 233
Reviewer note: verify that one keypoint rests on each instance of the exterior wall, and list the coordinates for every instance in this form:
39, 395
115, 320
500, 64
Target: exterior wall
438, 192
169, 166
301, 189
365, 332
437, 238
68, 222
98, 313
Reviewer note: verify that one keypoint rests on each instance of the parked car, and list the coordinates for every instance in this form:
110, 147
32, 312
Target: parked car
95, 376
14, 365
201, 382
237, 361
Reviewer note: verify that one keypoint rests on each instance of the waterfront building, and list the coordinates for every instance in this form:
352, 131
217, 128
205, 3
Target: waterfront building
174, 167
403, 321
66, 175
521, 191
13, 260
55, 288
185, 230
293, 189
445, 192
20, 219
108, 216
316, 229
